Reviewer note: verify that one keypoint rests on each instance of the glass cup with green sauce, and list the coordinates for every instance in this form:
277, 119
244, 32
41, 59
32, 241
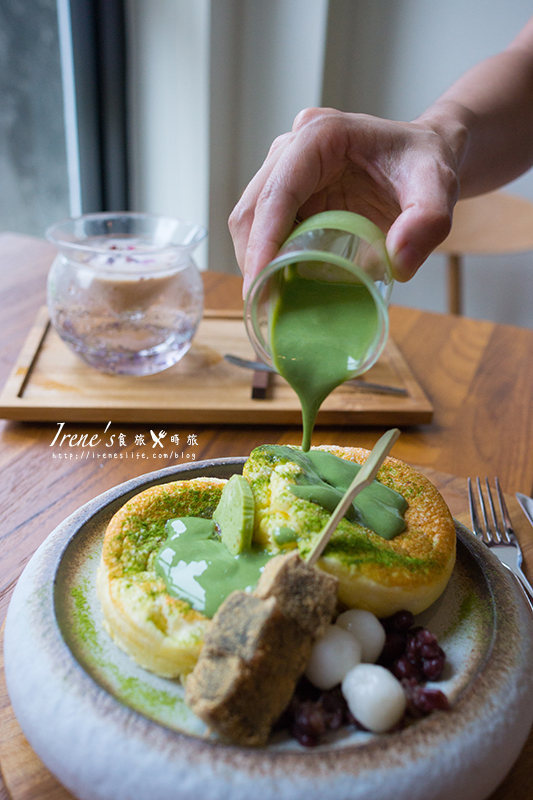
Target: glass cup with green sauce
318, 312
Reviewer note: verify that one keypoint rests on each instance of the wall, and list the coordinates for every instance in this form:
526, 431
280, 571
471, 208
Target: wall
212, 83
168, 62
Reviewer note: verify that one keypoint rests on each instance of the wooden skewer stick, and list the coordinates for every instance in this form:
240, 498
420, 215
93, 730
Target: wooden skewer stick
364, 478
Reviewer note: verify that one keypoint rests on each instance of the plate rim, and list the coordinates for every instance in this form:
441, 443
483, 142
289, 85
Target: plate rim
44, 565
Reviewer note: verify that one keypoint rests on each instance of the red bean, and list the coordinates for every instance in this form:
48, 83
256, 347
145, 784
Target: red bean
401, 621
432, 668
404, 668
393, 648
412, 654
422, 701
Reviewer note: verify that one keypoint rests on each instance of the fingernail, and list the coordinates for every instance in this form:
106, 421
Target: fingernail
405, 262
247, 280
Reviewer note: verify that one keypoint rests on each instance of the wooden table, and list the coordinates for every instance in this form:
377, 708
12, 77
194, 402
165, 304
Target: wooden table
478, 375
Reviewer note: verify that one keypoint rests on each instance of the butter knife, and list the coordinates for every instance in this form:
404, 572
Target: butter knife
526, 504
378, 388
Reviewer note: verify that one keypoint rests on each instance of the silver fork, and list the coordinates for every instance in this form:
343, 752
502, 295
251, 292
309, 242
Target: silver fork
498, 534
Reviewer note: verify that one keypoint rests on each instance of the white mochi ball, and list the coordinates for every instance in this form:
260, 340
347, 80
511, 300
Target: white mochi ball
374, 696
367, 629
332, 657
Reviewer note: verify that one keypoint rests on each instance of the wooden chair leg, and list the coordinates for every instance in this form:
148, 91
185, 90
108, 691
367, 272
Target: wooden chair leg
455, 300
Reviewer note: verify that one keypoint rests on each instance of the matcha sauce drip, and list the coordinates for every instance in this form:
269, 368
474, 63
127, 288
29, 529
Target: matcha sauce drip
324, 479
321, 331
197, 567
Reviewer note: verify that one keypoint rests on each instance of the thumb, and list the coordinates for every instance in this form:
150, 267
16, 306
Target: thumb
413, 236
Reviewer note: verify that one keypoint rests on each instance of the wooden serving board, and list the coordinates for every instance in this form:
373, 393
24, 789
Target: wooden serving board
26, 777
49, 383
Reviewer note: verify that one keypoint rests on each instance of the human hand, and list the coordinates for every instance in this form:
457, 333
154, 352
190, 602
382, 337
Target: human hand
402, 176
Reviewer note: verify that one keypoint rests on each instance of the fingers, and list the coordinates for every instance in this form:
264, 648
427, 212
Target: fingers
413, 237
427, 199
287, 187
242, 216
265, 215
401, 175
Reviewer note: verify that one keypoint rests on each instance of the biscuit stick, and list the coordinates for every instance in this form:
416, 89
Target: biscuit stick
258, 644
257, 648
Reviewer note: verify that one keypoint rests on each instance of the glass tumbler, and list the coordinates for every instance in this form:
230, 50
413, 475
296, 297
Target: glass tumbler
124, 292
330, 247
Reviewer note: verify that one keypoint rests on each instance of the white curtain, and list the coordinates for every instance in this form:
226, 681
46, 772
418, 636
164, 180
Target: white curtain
212, 83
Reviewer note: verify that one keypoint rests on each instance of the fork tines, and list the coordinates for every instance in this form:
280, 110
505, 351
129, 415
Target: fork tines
493, 531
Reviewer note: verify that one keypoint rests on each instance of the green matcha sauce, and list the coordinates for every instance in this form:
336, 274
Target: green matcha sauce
320, 333
283, 535
197, 567
325, 478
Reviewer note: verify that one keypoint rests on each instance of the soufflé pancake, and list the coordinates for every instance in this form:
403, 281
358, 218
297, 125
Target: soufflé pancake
160, 632
409, 571
164, 634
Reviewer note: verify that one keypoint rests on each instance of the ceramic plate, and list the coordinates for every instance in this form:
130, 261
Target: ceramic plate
108, 730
